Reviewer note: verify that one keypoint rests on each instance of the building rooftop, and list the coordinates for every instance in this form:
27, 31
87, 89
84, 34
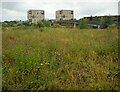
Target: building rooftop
35, 10
64, 10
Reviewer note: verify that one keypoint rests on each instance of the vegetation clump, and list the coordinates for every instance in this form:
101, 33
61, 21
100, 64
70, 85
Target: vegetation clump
60, 59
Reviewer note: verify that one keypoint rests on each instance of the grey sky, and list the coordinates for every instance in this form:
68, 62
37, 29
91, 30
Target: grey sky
17, 10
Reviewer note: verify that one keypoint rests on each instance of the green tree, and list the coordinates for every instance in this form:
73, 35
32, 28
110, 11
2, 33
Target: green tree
96, 19
83, 24
9, 23
106, 22
40, 24
26, 23
44, 23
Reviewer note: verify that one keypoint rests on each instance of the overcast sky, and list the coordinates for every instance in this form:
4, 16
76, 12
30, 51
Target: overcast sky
17, 9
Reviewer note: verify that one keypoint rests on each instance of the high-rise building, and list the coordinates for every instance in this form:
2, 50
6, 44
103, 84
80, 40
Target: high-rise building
64, 15
34, 16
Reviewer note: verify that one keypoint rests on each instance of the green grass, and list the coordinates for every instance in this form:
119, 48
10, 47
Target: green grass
59, 58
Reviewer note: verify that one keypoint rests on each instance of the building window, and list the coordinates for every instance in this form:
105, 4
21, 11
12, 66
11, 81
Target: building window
33, 16
30, 12
63, 16
30, 20
71, 12
42, 13
60, 12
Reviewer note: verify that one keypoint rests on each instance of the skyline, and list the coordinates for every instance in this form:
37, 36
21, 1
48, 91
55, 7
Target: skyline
18, 10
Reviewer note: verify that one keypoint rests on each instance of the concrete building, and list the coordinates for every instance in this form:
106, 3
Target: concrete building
34, 16
64, 15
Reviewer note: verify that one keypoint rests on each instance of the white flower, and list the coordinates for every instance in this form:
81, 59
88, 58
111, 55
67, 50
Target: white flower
47, 63
41, 64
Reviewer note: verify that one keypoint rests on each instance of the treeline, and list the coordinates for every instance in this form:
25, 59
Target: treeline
40, 24
97, 22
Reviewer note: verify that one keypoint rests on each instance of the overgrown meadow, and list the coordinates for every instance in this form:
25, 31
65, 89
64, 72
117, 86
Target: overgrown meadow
60, 59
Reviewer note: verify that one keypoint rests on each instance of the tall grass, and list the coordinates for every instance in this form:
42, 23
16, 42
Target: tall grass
60, 59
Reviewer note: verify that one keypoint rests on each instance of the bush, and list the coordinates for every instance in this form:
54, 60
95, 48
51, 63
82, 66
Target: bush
83, 24
106, 22
26, 23
113, 26
44, 23
9, 24
59, 26
40, 24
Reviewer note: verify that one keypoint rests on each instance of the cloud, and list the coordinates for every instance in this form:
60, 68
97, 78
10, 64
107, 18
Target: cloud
13, 15
101, 8
18, 10
14, 6
0, 11
54, 1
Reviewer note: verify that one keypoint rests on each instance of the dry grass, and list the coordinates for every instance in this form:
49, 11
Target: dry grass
60, 58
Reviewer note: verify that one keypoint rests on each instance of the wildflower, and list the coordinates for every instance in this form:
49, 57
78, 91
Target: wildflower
47, 63
41, 63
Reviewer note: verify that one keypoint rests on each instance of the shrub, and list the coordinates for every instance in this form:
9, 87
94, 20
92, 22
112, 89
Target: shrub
26, 23
83, 24
46, 23
113, 26
43, 23
9, 24
106, 22
58, 26
40, 24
